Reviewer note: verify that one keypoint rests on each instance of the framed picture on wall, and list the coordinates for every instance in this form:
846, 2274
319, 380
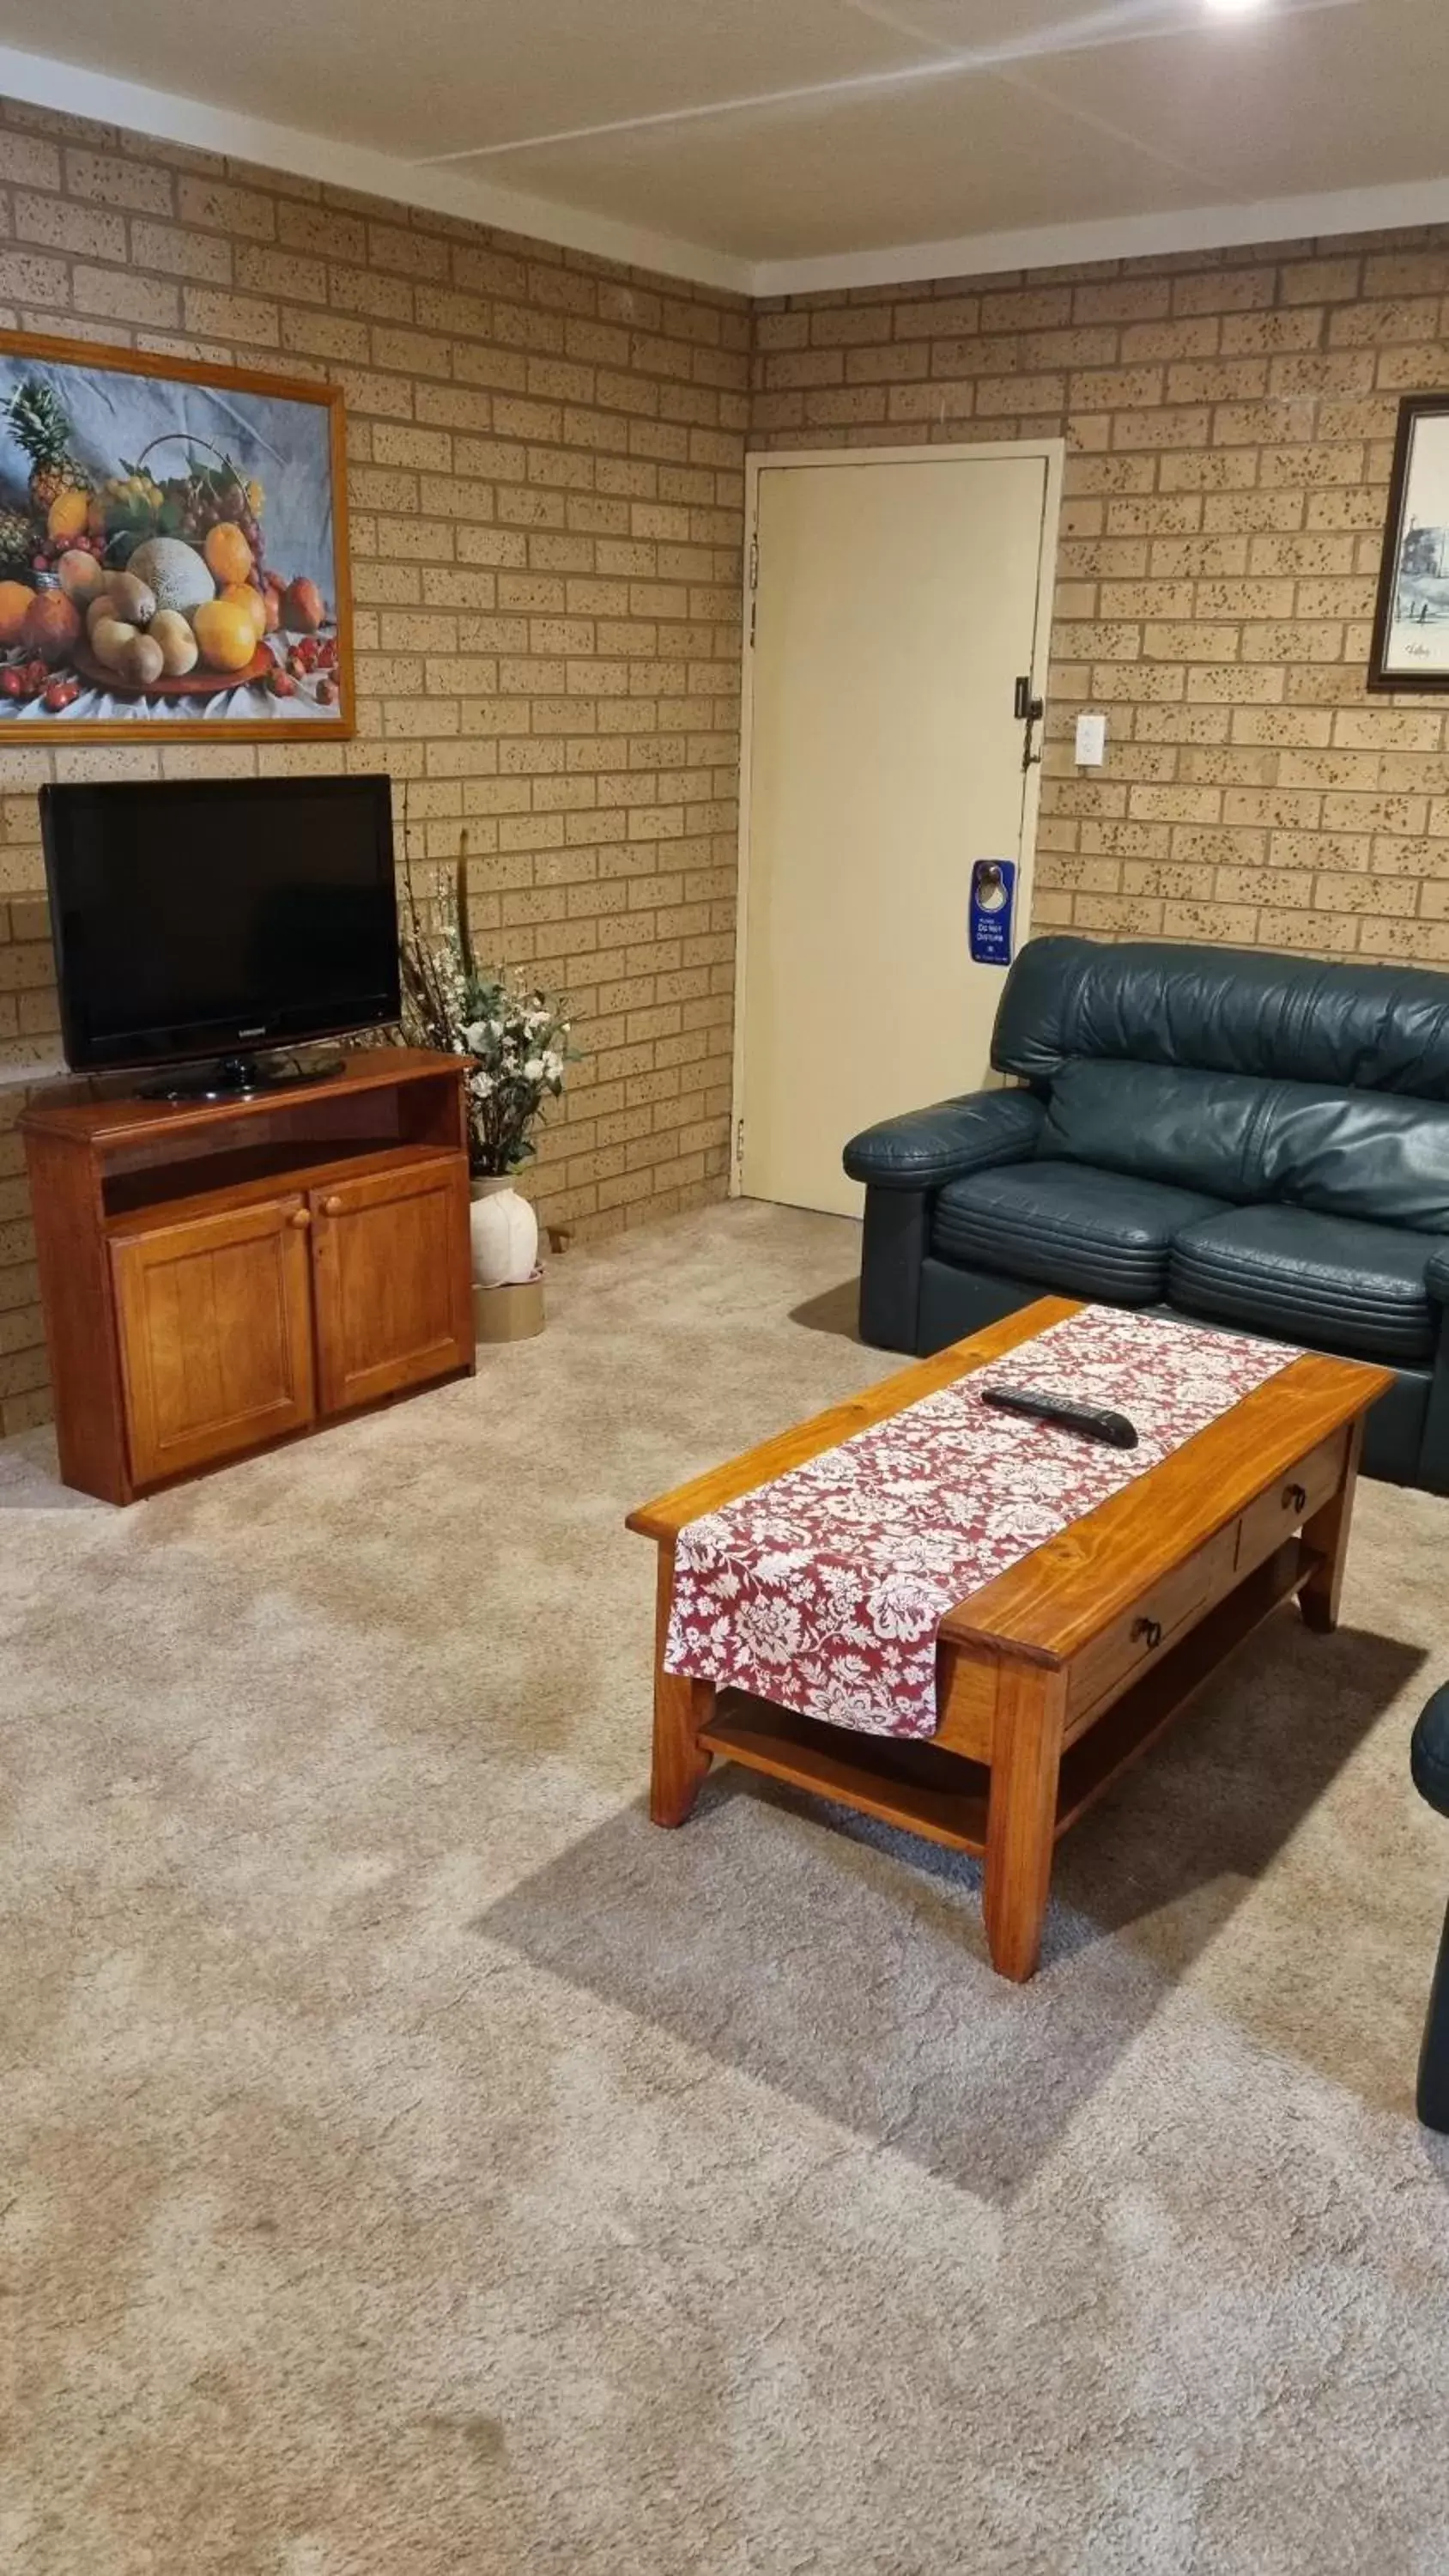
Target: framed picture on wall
1410, 647
173, 549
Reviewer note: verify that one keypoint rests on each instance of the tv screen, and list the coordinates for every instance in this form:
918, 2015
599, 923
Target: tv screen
219, 916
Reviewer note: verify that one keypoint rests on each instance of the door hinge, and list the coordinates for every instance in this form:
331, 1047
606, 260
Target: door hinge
739, 1145
1029, 711
754, 572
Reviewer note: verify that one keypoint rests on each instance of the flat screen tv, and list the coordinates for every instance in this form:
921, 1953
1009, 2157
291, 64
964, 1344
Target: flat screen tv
213, 918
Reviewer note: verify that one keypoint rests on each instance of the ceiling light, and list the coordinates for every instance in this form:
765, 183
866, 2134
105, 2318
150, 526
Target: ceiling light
1232, 8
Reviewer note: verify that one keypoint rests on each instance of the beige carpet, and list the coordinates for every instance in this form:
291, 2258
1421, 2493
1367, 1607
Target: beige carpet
415, 2163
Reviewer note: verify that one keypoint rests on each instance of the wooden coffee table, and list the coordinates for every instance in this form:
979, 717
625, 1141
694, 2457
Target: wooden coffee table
1054, 1676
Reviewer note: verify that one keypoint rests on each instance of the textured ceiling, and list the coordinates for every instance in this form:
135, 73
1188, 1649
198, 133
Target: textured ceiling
779, 131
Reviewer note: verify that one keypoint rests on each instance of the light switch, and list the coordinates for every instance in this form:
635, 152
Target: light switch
1091, 741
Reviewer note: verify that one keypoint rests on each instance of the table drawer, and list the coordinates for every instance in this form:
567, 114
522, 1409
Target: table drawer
1290, 1501
1114, 1659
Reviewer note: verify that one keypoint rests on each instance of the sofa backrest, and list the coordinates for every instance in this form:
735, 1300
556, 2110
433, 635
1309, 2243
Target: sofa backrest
1346, 1153
1239, 1072
1224, 1010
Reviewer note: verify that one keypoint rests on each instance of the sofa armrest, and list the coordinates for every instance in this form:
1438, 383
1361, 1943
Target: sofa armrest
1436, 1276
930, 1146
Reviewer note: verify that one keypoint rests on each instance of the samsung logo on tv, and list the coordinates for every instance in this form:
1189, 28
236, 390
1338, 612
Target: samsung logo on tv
259, 1031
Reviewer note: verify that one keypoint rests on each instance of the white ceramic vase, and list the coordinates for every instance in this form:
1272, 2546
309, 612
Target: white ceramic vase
505, 1234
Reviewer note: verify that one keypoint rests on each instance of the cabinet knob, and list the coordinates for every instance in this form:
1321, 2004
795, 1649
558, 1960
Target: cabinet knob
332, 1207
1149, 1630
1294, 1499
301, 1216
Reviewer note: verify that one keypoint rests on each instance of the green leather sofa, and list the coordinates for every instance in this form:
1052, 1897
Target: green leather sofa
1237, 1137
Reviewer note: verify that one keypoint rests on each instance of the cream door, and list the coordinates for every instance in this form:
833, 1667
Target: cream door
896, 602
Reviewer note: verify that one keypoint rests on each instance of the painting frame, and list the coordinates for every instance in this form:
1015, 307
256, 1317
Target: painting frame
86, 356
1390, 667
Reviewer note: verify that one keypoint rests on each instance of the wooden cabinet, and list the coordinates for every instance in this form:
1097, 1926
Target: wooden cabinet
217, 1275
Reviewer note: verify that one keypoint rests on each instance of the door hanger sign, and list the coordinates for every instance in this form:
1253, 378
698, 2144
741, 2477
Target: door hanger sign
993, 902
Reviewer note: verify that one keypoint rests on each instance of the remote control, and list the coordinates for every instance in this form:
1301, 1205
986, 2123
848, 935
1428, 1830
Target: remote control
1093, 1421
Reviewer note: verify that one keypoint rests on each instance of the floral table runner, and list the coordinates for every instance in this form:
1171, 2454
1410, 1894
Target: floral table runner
823, 1591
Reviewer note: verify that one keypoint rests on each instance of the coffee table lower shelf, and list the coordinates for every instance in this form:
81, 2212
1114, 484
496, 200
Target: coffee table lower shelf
943, 1795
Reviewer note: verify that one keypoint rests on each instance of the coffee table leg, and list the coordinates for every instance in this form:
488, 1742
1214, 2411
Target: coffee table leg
681, 1708
1021, 1813
1328, 1531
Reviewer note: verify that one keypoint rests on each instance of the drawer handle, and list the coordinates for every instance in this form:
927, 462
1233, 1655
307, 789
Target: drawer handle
332, 1207
1150, 1630
1295, 1499
300, 1216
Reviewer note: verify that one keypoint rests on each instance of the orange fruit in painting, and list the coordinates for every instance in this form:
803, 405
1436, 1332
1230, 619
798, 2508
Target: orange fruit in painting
226, 634
16, 601
68, 515
52, 625
252, 601
228, 556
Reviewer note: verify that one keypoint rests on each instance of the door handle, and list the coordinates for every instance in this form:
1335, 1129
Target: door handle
1029, 711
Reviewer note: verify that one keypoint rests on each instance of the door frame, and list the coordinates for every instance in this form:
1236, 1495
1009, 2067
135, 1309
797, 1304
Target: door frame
764, 460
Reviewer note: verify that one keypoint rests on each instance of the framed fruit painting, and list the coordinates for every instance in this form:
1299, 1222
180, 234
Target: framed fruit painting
173, 548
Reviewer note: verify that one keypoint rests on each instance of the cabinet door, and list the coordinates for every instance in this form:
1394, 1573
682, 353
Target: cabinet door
392, 1280
214, 1318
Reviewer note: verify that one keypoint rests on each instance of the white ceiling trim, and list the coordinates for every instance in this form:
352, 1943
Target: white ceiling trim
1226, 226
69, 88
72, 90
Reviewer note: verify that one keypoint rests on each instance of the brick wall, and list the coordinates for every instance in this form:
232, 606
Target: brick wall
1229, 421
546, 493
546, 514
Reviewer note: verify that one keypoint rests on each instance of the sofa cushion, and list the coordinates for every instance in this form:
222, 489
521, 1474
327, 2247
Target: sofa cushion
1084, 1232
1161, 1122
1331, 1281
1346, 1153
1354, 1154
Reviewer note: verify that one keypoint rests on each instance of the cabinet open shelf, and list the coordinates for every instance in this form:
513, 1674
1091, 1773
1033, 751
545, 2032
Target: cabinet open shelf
236, 1178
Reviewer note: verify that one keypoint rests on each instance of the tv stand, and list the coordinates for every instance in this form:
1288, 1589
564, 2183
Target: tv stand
235, 1268
240, 1077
